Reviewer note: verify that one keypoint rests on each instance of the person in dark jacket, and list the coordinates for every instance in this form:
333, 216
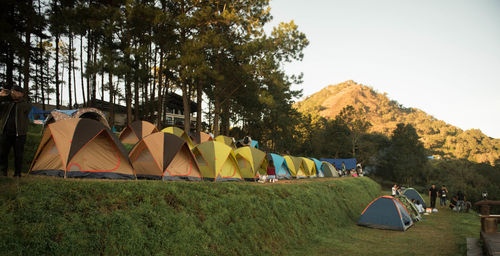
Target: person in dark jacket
14, 110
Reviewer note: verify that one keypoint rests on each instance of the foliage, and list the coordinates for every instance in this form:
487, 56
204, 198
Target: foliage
405, 160
73, 217
138, 51
384, 114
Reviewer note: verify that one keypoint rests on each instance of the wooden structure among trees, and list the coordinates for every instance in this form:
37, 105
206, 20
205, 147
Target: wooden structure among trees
489, 227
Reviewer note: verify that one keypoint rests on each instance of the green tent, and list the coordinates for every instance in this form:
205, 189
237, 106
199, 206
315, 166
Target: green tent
310, 167
229, 141
251, 161
296, 166
412, 209
328, 169
217, 161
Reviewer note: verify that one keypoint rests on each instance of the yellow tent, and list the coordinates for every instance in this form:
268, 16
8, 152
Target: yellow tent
217, 161
226, 140
180, 133
310, 167
251, 161
296, 166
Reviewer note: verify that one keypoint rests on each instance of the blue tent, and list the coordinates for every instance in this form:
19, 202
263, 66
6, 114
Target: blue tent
255, 144
411, 193
350, 163
68, 112
37, 114
386, 212
280, 167
319, 171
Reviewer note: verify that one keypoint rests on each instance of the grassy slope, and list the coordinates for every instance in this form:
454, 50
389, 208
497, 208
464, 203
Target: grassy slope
66, 217
442, 233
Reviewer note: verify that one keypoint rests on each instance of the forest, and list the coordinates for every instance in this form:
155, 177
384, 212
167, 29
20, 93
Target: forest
216, 53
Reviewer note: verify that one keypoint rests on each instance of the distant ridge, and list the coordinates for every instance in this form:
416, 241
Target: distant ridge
383, 113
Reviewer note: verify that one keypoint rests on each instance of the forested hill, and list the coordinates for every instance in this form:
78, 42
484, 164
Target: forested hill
383, 113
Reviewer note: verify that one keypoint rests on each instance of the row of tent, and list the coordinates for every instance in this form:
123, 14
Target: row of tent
393, 213
83, 147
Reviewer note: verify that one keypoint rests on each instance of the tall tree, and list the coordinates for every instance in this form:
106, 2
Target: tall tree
405, 160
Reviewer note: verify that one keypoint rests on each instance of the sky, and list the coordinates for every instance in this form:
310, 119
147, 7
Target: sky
441, 56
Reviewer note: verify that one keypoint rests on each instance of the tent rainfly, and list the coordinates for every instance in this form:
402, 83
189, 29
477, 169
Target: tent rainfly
229, 141
386, 212
411, 193
317, 165
310, 167
81, 148
88, 113
280, 168
328, 169
136, 130
200, 137
251, 161
179, 133
296, 166
217, 161
164, 156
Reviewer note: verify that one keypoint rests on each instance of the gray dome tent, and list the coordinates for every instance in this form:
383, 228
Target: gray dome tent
411, 193
386, 212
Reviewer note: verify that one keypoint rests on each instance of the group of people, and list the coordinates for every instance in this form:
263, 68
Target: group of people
358, 172
457, 202
397, 191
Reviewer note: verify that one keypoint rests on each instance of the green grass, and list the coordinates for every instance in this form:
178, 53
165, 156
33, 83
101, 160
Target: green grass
42, 215
442, 233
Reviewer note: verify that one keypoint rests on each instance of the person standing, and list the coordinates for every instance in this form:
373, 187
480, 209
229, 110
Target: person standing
14, 110
344, 169
443, 193
433, 191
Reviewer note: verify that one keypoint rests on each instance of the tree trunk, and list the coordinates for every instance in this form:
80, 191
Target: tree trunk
216, 115
160, 87
73, 70
186, 108
89, 62
9, 76
48, 79
128, 98
111, 109
225, 115
136, 97
58, 105
152, 96
199, 92
69, 74
81, 70
94, 74
102, 85
27, 50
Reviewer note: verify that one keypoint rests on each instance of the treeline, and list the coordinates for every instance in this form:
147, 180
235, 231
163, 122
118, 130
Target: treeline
400, 158
384, 114
138, 50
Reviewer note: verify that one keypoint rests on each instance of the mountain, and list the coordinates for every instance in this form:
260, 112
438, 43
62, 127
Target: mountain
383, 113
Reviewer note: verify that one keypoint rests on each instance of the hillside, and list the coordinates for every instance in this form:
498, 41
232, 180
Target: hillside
383, 113
50, 216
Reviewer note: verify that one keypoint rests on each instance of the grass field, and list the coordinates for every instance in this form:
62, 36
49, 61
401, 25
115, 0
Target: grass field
442, 233
49, 216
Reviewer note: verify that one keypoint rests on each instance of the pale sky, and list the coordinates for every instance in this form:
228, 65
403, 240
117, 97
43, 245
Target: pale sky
441, 56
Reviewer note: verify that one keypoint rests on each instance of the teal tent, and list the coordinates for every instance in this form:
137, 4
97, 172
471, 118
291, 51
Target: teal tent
280, 167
